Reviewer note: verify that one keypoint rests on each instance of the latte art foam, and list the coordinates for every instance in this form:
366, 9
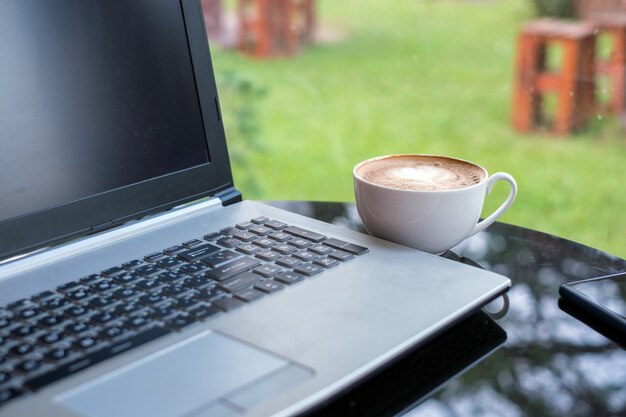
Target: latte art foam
427, 173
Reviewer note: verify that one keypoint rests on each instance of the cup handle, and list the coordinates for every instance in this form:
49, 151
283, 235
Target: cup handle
494, 216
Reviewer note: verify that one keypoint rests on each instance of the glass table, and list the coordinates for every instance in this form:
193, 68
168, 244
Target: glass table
537, 360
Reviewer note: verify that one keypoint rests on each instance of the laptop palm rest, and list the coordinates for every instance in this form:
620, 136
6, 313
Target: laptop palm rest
207, 375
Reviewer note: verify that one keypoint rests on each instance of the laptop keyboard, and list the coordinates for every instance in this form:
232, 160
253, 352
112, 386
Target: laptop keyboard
59, 332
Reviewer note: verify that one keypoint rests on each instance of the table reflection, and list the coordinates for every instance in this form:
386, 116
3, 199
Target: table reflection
551, 363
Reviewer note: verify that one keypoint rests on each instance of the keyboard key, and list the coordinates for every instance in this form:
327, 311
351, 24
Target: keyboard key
129, 307
169, 262
300, 243
192, 243
210, 293
244, 235
204, 311
111, 272
136, 322
104, 317
261, 230
276, 225
341, 255
260, 220
280, 237
149, 284
211, 236
220, 258
29, 312
233, 268
135, 263
149, 270
244, 225
161, 311
112, 332
264, 242
174, 290
153, 257
29, 365
305, 256
289, 277
102, 301
239, 282
96, 357
85, 342
192, 268
152, 298
308, 269
284, 249
51, 320
267, 271
227, 231
77, 328
172, 250
288, 262
75, 311
4, 377
125, 293
127, 278
229, 242
68, 286
8, 394
23, 331
187, 301
267, 255
197, 281
305, 234
58, 354
248, 248
320, 249
249, 295
345, 246
22, 349
269, 286
104, 285
228, 303
326, 262
171, 276
180, 321
79, 294
51, 338
198, 252
44, 295
4, 322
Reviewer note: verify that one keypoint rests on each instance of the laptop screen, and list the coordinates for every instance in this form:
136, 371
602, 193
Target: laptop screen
99, 98
108, 113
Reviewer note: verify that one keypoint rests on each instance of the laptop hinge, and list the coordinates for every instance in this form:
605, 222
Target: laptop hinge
229, 196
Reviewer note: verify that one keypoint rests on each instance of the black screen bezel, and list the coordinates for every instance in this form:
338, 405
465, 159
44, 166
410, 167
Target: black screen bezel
53, 225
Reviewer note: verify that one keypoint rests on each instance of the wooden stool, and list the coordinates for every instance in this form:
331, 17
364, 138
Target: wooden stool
573, 84
266, 27
614, 67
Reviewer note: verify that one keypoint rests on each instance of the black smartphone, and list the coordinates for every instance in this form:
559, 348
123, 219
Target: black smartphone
599, 302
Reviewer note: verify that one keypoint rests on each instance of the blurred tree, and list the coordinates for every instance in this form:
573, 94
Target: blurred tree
554, 8
240, 98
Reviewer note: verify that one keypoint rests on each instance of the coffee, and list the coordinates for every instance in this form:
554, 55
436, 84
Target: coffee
421, 173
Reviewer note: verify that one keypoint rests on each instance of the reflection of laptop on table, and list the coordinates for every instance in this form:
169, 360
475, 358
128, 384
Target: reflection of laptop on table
193, 303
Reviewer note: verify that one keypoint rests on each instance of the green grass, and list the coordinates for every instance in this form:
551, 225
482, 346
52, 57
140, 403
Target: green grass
426, 77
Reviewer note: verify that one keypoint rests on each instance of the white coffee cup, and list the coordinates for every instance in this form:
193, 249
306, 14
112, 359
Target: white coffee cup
432, 220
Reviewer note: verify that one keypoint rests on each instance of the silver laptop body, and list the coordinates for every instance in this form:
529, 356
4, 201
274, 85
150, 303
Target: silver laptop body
284, 354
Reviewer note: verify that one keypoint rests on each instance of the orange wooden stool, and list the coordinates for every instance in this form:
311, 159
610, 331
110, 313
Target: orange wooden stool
266, 28
614, 67
573, 83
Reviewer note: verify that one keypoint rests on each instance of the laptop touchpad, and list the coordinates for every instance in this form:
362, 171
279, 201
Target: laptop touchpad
199, 376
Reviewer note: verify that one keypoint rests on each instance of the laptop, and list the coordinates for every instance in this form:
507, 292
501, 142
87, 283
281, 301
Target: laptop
134, 281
